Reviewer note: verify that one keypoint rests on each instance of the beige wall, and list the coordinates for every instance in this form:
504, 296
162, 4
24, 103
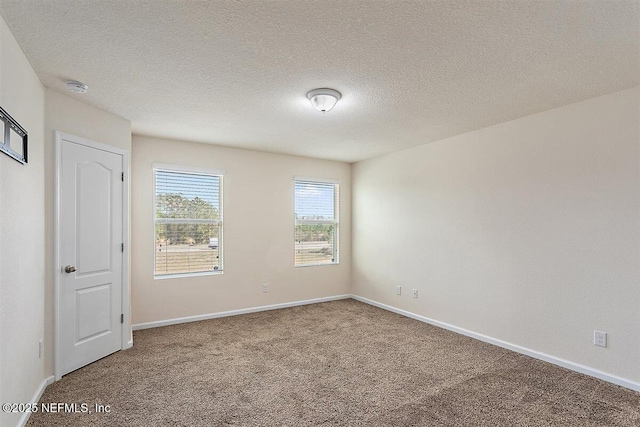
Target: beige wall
21, 233
258, 232
527, 231
70, 115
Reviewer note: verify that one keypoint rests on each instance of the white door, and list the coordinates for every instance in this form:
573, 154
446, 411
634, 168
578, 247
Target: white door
90, 254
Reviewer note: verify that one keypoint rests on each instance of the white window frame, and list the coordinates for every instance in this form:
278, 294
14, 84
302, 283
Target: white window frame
336, 222
196, 171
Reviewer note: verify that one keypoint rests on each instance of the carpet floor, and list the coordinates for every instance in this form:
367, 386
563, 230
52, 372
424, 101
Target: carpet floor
342, 363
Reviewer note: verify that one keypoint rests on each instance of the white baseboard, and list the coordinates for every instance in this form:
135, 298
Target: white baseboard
624, 382
35, 399
235, 312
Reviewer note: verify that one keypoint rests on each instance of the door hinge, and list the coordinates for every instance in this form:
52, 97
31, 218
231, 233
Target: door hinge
122, 176
122, 318
122, 247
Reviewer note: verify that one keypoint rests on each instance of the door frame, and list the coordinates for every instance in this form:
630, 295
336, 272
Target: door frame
126, 340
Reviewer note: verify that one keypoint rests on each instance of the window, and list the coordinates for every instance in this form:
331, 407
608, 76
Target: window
316, 229
188, 222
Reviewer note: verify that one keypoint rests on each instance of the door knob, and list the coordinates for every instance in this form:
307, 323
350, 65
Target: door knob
69, 269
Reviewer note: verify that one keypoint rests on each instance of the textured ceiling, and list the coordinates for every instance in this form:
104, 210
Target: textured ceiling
236, 73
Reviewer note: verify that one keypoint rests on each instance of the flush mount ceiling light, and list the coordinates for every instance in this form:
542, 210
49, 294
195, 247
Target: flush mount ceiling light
76, 87
324, 99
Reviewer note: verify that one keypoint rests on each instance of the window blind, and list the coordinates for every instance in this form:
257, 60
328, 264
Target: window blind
188, 222
316, 222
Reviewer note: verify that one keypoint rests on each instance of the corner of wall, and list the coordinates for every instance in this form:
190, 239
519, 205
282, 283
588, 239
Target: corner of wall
22, 214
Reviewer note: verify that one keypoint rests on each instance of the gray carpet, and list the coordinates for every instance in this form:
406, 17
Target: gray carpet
339, 363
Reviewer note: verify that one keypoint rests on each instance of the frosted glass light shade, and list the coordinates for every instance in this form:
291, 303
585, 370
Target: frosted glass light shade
323, 100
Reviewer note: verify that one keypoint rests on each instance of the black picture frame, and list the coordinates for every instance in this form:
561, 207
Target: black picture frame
10, 125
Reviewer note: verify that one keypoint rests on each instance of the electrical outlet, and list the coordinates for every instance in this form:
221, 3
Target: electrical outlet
40, 349
398, 290
600, 338
415, 293
265, 288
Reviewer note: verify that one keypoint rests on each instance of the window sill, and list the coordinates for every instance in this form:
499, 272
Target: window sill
315, 265
184, 275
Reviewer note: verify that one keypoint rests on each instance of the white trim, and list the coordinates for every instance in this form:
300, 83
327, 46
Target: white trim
127, 332
35, 399
624, 382
197, 318
183, 275
186, 169
127, 336
88, 143
57, 363
320, 180
315, 265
